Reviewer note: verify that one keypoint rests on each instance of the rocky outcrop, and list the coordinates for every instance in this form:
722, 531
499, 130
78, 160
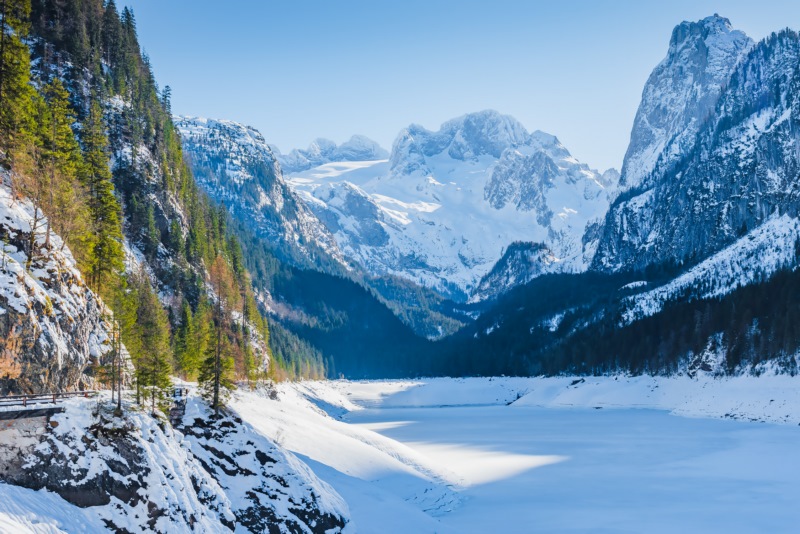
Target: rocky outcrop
521, 263
136, 474
52, 329
681, 93
272, 491
236, 167
742, 170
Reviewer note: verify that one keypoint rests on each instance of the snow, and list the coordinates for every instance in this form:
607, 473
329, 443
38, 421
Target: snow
505, 454
322, 151
446, 204
562, 454
753, 258
24, 511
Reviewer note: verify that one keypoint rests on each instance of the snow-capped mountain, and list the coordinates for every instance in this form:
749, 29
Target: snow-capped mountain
321, 151
445, 205
742, 169
237, 168
681, 93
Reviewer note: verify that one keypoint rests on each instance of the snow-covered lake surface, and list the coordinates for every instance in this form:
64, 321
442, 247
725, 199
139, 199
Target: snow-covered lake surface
586, 470
453, 456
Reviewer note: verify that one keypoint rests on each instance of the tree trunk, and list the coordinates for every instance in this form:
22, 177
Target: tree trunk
2, 49
217, 355
118, 358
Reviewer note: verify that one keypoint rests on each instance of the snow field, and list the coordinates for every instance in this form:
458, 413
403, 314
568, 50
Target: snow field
564, 454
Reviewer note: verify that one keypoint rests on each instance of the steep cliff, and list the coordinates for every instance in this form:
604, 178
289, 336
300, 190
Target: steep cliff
53, 328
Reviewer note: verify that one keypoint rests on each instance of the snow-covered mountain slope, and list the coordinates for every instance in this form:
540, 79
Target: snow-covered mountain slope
237, 168
753, 258
136, 474
322, 151
743, 169
681, 93
521, 263
51, 324
446, 204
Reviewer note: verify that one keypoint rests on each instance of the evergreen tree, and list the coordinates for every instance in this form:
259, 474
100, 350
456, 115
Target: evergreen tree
186, 355
154, 369
16, 93
104, 209
216, 373
62, 158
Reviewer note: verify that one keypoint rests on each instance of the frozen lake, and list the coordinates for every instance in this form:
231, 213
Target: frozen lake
562, 454
529, 469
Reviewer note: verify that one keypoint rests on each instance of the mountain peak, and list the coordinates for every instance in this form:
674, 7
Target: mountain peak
681, 92
714, 25
468, 137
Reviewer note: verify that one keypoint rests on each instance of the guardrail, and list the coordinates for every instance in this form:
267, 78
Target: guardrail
44, 398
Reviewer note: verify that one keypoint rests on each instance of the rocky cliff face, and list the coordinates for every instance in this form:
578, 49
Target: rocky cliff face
236, 167
52, 330
681, 94
521, 263
133, 473
743, 168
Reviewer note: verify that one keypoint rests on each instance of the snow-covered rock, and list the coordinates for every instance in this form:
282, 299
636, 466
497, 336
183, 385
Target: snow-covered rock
681, 93
52, 326
235, 166
443, 208
267, 486
742, 169
521, 263
752, 259
136, 474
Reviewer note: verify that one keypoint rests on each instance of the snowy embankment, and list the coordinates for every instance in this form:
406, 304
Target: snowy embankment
773, 398
89, 470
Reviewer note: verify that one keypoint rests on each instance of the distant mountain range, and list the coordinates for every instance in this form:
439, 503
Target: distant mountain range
439, 211
480, 210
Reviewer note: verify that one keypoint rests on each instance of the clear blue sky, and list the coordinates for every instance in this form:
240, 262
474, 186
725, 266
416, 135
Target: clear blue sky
297, 70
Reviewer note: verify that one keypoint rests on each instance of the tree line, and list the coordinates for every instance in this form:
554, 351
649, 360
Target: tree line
87, 135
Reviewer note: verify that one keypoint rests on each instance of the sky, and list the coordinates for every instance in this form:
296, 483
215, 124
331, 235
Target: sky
298, 69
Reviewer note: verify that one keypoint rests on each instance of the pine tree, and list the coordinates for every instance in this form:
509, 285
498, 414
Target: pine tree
154, 369
16, 93
186, 357
104, 209
216, 373
62, 159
